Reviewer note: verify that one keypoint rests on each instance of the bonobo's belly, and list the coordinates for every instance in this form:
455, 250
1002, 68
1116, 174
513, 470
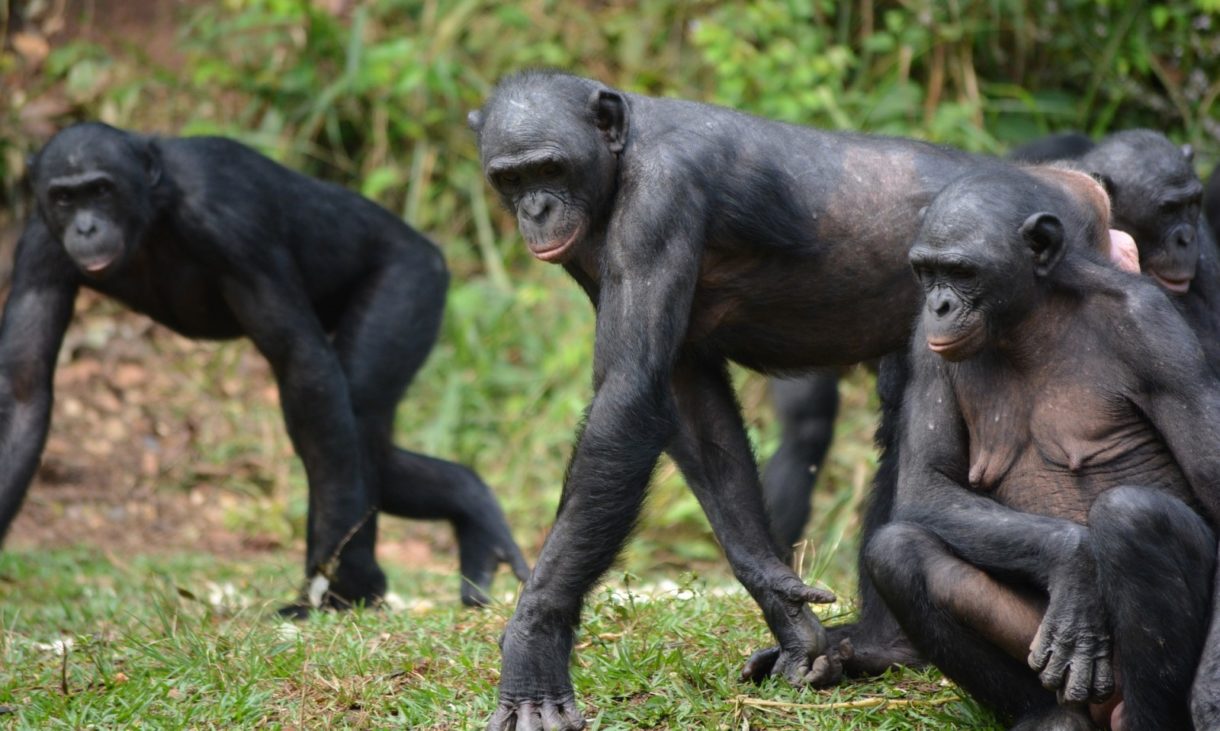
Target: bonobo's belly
1062, 478
780, 313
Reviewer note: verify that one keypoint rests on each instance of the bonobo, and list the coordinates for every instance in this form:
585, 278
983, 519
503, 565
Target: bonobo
1156, 198
701, 235
213, 240
1051, 392
1211, 201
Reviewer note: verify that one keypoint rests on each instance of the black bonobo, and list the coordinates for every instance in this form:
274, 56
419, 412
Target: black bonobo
1211, 201
1050, 392
214, 240
701, 235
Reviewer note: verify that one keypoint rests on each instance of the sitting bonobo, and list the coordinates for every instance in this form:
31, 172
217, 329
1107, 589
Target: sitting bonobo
1053, 540
213, 240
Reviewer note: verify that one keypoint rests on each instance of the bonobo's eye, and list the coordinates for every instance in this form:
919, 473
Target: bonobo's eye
102, 189
61, 197
550, 170
959, 272
507, 178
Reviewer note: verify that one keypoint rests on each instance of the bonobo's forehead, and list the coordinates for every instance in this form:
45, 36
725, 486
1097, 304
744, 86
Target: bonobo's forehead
972, 211
534, 109
85, 148
1141, 154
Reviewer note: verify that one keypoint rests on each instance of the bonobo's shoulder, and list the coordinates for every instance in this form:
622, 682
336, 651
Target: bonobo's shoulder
1141, 316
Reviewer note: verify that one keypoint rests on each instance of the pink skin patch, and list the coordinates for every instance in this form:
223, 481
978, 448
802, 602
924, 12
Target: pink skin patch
1123, 253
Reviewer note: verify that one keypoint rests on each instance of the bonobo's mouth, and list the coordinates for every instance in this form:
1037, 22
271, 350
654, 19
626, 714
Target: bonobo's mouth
552, 252
956, 348
99, 265
1175, 284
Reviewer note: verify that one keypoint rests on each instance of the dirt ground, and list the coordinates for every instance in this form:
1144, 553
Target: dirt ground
161, 443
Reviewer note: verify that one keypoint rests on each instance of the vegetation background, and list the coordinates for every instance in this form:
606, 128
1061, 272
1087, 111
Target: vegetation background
168, 513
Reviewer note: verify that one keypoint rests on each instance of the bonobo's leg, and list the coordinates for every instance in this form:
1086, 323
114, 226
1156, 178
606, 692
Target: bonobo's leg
878, 642
928, 587
1155, 557
382, 340
713, 452
806, 407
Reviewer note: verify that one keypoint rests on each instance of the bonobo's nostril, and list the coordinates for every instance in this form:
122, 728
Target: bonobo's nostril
536, 207
85, 226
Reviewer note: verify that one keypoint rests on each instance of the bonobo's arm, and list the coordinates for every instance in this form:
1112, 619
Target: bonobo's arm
269, 301
1178, 392
1072, 649
647, 280
35, 317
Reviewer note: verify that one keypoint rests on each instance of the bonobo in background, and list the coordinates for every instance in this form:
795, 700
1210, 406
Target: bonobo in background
213, 240
1211, 201
701, 235
1051, 391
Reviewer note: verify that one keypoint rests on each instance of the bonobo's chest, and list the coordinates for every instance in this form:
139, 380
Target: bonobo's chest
174, 288
1050, 441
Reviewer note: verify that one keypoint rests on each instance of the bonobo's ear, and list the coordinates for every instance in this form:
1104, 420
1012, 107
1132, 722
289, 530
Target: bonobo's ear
474, 120
1188, 152
152, 161
1107, 183
609, 110
1043, 233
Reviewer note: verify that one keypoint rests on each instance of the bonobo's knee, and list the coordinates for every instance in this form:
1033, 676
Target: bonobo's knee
890, 557
1129, 516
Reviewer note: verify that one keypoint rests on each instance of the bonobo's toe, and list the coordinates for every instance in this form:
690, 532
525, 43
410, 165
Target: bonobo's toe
482, 547
542, 715
799, 670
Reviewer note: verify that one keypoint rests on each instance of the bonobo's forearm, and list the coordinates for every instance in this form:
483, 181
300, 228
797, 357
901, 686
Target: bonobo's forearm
995, 537
23, 433
628, 425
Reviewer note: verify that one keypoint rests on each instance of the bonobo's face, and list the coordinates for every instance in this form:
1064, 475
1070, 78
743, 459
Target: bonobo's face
1155, 195
549, 147
977, 260
93, 184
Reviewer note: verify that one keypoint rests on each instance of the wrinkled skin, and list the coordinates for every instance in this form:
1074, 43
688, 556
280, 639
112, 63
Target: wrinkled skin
342, 298
1074, 395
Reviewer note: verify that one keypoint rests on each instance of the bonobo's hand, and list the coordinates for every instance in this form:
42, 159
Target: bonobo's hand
535, 690
1123, 252
1072, 649
802, 657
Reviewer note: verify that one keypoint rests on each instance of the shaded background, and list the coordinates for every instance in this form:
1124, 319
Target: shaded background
158, 442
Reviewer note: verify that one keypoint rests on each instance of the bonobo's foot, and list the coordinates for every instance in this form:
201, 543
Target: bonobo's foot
804, 655
485, 542
824, 670
535, 690
874, 653
357, 584
1068, 717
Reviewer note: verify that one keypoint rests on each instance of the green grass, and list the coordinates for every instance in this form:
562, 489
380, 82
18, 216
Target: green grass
158, 642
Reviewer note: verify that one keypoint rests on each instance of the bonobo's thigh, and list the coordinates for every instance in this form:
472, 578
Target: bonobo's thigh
976, 630
1155, 558
387, 331
806, 407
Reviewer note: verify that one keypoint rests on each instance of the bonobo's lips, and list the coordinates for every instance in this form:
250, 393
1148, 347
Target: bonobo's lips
1173, 284
947, 347
99, 265
552, 252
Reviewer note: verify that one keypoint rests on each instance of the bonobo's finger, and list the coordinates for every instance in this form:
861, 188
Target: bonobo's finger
504, 719
1039, 650
814, 595
758, 667
528, 717
826, 671
555, 718
1078, 680
1052, 675
796, 590
1103, 679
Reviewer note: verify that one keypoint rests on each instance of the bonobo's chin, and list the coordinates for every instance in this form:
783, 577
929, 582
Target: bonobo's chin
956, 348
1174, 283
554, 251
